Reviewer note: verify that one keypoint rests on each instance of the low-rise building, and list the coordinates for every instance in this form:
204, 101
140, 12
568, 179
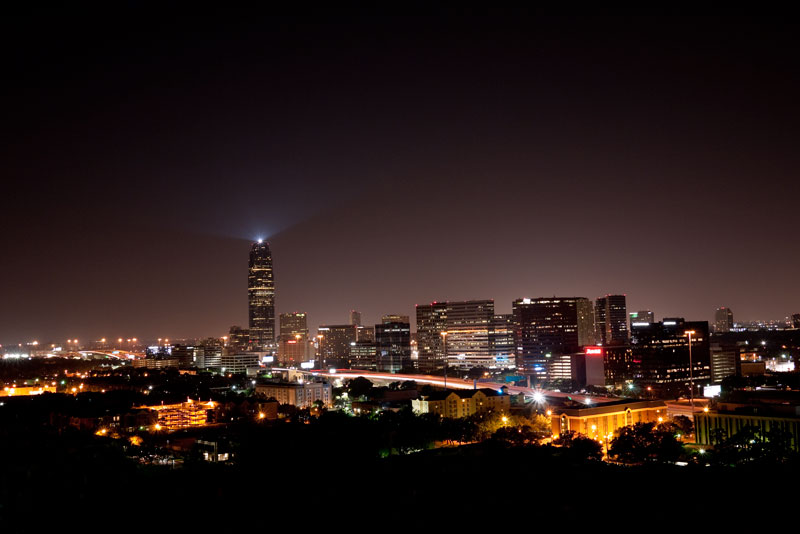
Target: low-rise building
300, 394
602, 420
455, 404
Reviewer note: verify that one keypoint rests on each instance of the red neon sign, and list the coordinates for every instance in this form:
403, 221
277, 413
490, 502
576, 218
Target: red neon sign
593, 351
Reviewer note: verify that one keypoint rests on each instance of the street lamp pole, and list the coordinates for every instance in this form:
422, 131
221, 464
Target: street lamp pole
691, 372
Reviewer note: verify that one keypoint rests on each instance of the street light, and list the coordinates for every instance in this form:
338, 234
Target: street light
689, 333
444, 341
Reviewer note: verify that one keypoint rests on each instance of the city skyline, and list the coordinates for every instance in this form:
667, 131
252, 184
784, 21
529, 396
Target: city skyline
263, 305
391, 162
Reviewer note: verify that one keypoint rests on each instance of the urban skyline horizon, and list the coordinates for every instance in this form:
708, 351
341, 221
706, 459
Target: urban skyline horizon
371, 317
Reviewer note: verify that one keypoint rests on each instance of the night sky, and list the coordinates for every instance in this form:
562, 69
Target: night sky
391, 161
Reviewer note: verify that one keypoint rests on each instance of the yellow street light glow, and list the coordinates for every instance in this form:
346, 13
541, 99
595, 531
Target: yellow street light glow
262, 415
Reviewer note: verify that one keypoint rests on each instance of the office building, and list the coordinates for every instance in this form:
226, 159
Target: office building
238, 339
619, 366
475, 336
796, 320
431, 322
394, 318
723, 320
365, 333
661, 352
363, 355
501, 341
334, 344
393, 347
546, 327
355, 318
240, 363
611, 320
642, 316
469, 329
293, 339
261, 297
725, 360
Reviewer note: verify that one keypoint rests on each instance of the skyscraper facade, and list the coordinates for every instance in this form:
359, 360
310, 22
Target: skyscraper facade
469, 332
642, 316
334, 344
261, 297
393, 346
611, 320
431, 322
470, 327
661, 352
723, 319
549, 327
293, 340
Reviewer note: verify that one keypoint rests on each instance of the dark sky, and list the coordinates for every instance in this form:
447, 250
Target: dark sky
391, 161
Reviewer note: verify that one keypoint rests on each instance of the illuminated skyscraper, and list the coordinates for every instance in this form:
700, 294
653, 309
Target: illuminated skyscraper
261, 296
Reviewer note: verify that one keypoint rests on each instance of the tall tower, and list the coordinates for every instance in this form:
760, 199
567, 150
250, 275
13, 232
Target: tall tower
261, 296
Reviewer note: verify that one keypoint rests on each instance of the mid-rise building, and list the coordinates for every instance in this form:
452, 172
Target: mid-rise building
363, 355
469, 333
475, 336
238, 339
395, 318
302, 395
241, 362
355, 318
261, 297
661, 352
642, 316
431, 322
547, 327
455, 404
501, 341
334, 344
365, 333
725, 360
293, 339
393, 347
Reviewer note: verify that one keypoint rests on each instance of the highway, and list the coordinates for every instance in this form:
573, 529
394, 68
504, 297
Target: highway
454, 383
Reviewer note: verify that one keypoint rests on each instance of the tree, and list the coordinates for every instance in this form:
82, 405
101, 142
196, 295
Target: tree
684, 424
579, 446
359, 387
645, 442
